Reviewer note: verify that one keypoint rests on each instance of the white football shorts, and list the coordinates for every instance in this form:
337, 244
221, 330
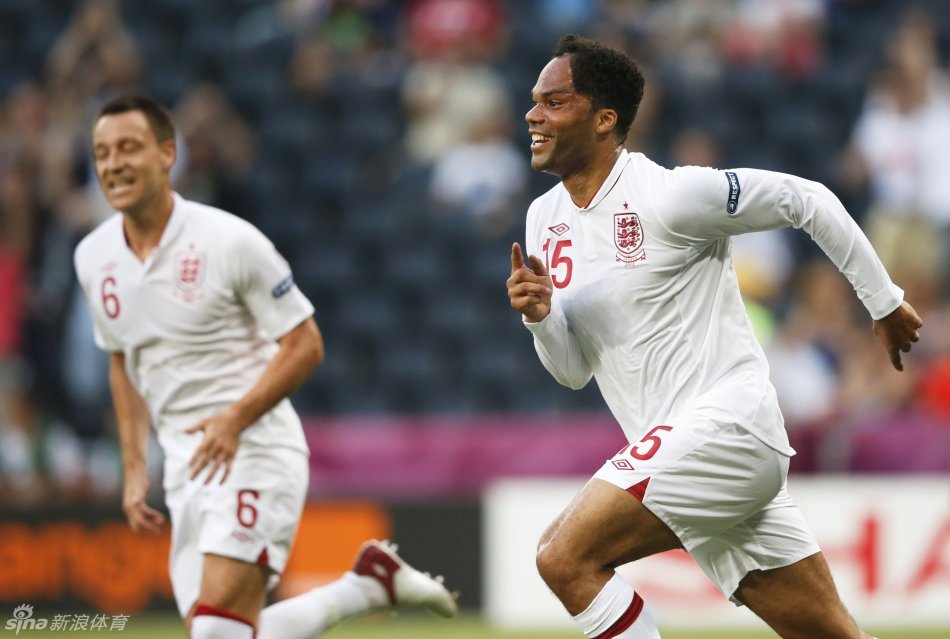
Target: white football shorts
252, 517
722, 492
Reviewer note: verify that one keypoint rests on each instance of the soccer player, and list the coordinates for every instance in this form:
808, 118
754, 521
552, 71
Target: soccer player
208, 335
629, 280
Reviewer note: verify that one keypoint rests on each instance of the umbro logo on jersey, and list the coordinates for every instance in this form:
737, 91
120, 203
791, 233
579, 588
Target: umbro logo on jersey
559, 229
734, 190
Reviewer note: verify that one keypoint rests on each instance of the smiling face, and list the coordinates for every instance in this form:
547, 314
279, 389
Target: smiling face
131, 164
562, 123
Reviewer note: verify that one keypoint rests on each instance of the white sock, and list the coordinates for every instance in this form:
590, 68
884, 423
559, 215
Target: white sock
307, 616
211, 623
618, 612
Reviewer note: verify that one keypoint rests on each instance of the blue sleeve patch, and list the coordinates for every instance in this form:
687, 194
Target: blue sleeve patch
284, 287
734, 190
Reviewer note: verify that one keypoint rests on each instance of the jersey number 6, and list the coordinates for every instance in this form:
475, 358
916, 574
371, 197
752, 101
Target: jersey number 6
110, 301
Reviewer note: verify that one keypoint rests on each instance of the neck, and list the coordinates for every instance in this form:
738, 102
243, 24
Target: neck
584, 184
143, 228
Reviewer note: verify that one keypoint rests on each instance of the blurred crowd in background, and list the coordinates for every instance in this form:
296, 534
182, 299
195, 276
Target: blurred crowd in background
381, 146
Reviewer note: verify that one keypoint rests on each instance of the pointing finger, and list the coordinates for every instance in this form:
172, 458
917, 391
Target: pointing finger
517, 258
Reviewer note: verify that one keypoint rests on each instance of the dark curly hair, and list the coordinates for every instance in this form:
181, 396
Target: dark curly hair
610, 78
159, 118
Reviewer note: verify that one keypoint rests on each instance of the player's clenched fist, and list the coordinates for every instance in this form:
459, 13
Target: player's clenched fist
529, 289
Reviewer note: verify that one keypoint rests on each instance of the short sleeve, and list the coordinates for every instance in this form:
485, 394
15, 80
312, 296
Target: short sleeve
101, 334
266, 285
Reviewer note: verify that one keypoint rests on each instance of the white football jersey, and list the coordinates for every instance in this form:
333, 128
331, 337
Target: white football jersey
646, 299
197, 320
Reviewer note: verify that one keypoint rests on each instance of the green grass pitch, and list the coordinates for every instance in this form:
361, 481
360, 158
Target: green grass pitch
420, 627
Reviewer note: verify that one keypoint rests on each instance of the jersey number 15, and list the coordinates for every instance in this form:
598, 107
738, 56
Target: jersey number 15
554, 260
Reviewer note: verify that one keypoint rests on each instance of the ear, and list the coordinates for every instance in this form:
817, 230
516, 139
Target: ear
606, 121
169, 154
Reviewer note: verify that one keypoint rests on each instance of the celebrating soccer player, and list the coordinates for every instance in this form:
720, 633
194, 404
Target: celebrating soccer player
628, 279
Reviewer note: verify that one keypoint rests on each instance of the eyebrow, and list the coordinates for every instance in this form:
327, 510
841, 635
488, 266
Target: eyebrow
555, 92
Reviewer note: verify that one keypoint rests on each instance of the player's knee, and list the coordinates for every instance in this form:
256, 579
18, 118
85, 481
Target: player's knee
556, 564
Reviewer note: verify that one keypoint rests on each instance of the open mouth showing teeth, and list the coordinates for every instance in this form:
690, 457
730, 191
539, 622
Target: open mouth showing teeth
119, 184
537, 138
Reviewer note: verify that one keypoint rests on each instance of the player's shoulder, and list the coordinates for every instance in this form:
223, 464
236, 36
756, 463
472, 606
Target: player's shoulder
696, 186
549, 202
697, 179
98, 242
212, 217
226, 227
551, 197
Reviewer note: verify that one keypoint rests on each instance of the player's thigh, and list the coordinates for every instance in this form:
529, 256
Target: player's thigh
603, 526
798, 601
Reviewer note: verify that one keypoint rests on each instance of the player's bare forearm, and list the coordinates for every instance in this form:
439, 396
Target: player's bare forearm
898, 331
301, 351
133, 419
131, 414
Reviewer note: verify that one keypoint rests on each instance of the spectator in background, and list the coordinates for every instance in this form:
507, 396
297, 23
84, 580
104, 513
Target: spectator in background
785, 34
219, 150
17, 439
692, 44
899, 149
92, 58
805, 359
482, 178
451, 89
96, 54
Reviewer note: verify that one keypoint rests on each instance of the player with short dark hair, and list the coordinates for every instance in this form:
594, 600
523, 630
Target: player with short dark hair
208, 336
629, 280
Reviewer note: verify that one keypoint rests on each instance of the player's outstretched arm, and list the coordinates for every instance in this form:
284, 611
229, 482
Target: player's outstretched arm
132, 415
897, 331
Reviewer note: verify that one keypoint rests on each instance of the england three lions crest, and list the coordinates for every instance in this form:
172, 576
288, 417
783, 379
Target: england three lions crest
628, 238
190, 270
